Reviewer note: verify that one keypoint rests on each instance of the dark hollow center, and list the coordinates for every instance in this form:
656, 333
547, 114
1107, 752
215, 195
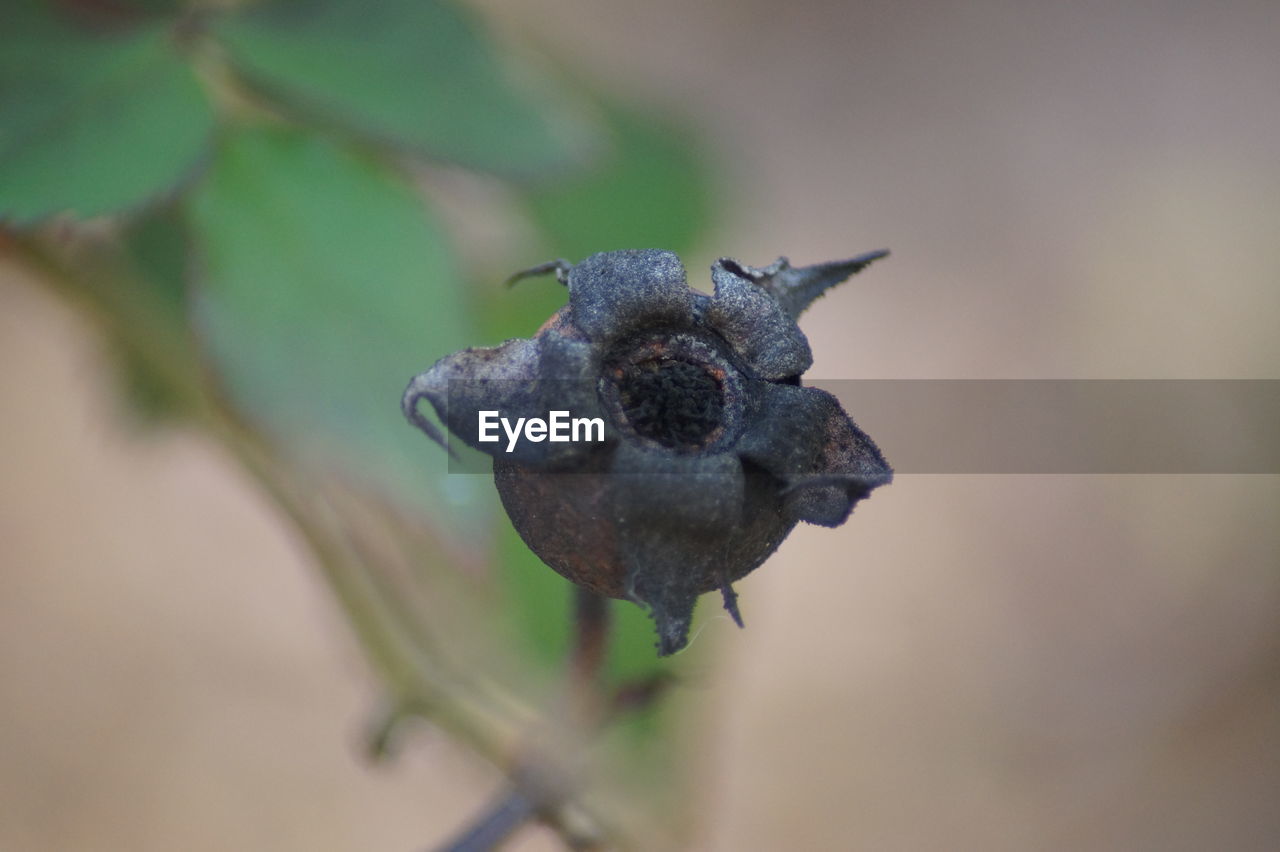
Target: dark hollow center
678, 404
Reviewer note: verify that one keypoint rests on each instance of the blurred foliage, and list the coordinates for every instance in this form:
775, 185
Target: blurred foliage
652, 183
229, 189
319, 278
93, 124
417, 76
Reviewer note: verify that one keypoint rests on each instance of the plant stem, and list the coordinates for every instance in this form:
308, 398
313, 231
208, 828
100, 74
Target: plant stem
587, 658
532, 794
498, 822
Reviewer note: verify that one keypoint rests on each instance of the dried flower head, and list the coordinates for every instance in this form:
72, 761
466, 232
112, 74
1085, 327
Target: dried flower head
710, 449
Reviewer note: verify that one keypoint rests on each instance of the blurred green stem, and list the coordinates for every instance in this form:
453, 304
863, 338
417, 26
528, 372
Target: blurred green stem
89, 274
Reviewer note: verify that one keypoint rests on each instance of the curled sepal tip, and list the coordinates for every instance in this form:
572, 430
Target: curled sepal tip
426, 386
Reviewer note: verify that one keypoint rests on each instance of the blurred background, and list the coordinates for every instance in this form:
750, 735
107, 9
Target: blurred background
979, 662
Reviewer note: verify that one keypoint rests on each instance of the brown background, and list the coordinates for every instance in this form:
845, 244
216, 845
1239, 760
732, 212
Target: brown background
1083, 190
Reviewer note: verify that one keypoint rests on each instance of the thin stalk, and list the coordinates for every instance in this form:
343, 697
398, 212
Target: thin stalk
535, 792
508, 813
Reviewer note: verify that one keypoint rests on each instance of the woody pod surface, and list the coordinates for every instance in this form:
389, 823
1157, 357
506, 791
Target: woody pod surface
712, 448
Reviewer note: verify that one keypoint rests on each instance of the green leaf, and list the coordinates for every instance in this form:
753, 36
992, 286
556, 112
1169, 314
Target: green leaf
150, 7
652, 191
93, 124
415, 74
323, 286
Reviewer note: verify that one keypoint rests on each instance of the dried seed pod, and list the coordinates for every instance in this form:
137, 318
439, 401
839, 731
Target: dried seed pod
710, 449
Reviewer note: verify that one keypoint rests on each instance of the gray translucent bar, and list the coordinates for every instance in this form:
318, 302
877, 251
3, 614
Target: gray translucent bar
1052, 426
1069, 426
